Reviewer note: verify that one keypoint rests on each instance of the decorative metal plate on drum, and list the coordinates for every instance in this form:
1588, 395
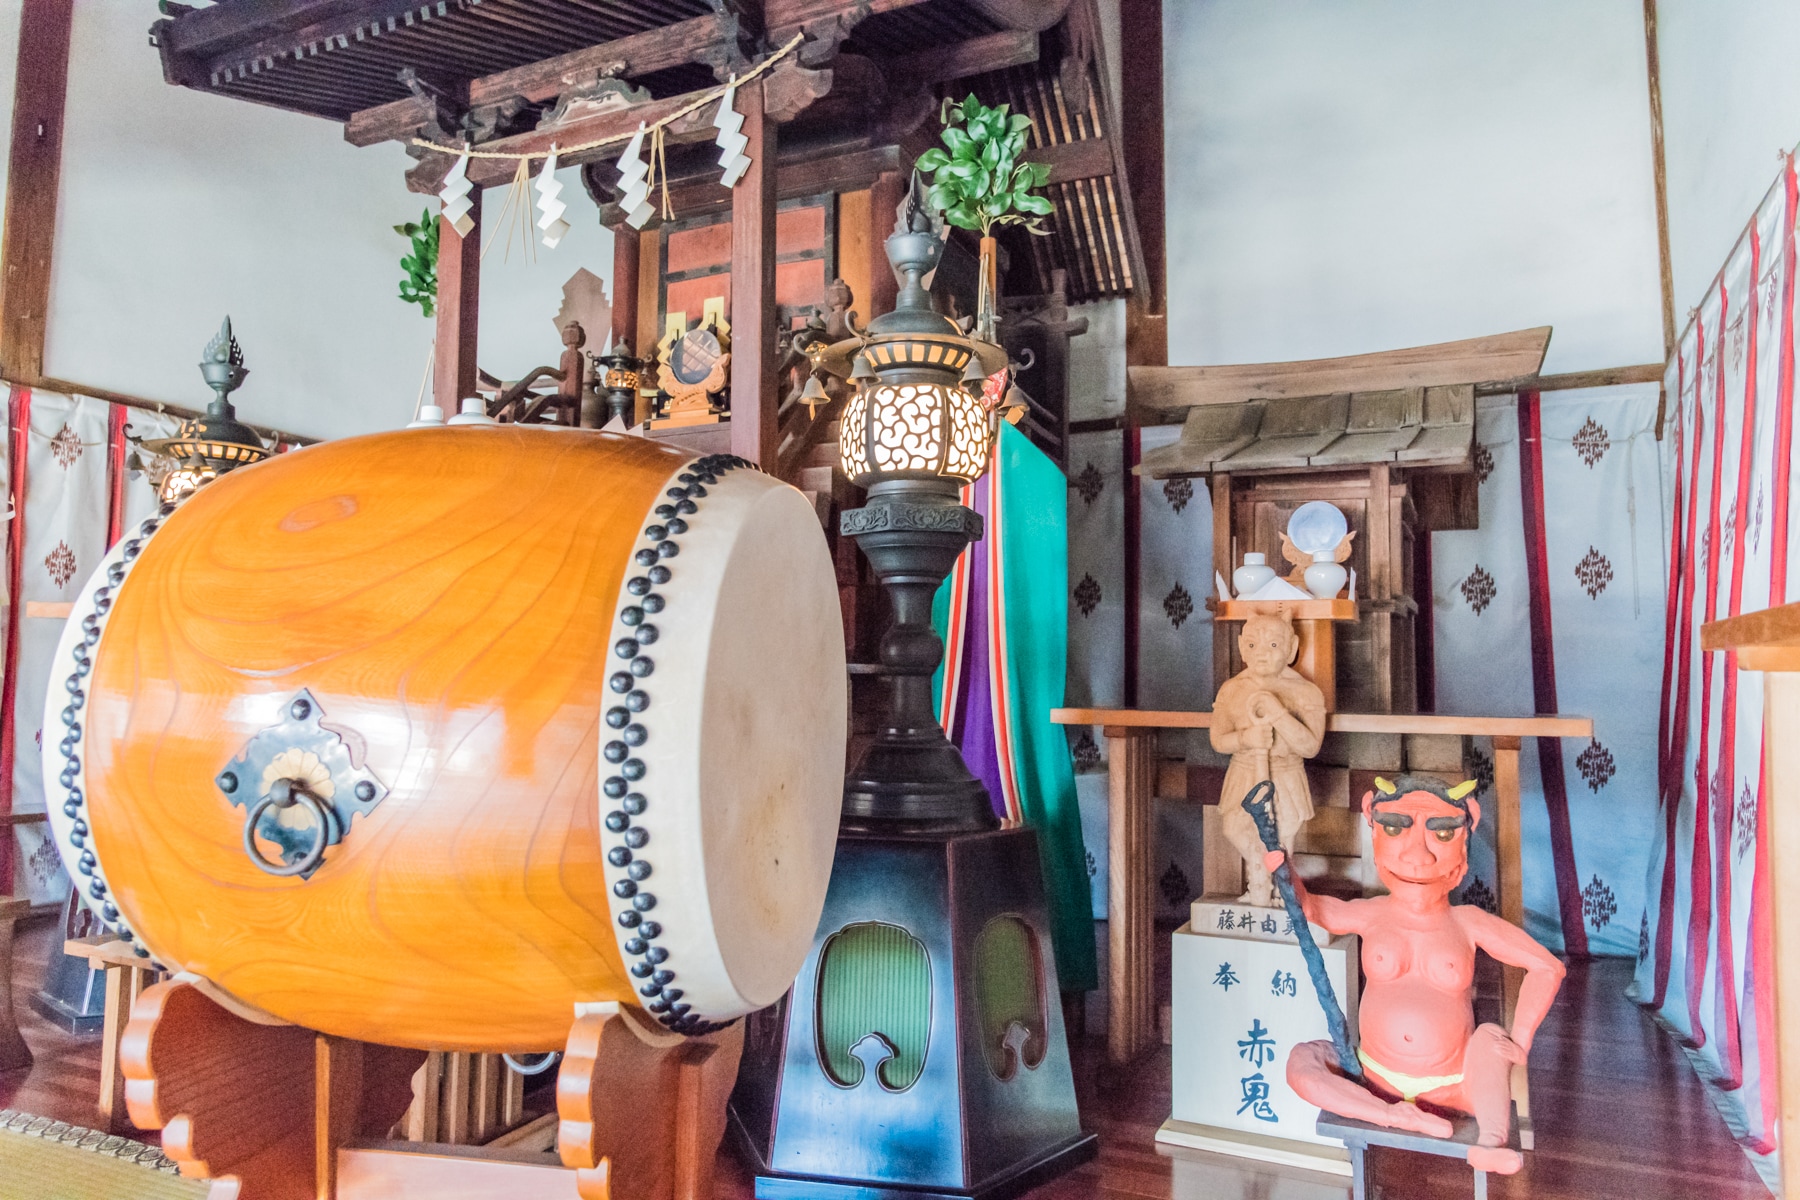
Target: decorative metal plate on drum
298, 788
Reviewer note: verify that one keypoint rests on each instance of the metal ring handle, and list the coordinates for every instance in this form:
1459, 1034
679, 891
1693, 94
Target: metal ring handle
550, 1059
282, 794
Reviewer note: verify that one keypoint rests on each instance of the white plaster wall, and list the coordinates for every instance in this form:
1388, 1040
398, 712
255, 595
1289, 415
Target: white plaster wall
1731, 105
1353, 177
522, 290
177, 208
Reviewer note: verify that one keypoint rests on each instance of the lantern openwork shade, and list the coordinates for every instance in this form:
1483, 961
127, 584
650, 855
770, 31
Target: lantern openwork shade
183, 481
916, 420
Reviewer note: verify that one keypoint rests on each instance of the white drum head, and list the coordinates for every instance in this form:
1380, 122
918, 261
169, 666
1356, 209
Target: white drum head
735, 762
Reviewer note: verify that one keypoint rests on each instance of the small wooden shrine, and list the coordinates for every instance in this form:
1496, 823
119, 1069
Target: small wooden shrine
1389, 438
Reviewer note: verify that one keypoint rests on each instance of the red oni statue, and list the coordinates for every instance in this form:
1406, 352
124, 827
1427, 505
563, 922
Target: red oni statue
1421, 1048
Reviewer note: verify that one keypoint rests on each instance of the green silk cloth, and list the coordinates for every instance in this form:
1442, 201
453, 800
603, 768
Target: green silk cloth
1003, 614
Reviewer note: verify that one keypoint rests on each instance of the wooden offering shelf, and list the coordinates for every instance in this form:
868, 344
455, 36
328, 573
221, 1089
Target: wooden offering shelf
1337, 609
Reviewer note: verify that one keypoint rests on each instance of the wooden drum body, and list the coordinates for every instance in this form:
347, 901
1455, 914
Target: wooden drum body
570, 706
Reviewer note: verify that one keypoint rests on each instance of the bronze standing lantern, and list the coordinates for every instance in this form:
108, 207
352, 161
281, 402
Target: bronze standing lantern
921, 1051
619, 383
205, 447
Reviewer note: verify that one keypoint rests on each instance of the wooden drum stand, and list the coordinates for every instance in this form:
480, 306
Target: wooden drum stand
278, 1112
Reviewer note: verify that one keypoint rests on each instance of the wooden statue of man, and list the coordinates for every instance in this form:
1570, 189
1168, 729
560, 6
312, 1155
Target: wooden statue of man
1270, 719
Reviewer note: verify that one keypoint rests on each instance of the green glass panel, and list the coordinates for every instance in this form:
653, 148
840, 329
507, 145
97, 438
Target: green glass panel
1009, 990
874, 1005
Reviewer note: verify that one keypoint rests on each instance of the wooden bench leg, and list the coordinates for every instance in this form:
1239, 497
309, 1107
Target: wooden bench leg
1359, 1171
14, 1053
1131, 787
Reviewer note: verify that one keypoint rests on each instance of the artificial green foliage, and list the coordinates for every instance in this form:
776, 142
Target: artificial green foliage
977, 180
420, 284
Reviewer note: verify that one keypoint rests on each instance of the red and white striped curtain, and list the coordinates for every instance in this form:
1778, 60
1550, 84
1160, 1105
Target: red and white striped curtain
1706, 962
69, 495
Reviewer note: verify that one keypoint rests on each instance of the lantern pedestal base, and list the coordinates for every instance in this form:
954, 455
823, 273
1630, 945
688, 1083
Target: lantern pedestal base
910, 778
921, 1052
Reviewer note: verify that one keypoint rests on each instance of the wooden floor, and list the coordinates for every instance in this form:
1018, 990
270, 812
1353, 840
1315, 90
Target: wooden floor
1619, 1113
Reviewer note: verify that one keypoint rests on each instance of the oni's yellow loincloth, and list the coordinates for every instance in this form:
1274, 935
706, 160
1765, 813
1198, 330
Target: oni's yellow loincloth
1410, 1087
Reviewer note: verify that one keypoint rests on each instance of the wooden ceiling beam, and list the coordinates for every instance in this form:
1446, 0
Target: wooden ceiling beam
715, 40
838, 170
826, 23
198, 44
223, 26
788, 89
1069, 161
977, 56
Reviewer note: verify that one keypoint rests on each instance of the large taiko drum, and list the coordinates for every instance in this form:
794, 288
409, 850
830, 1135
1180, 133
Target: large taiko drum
428, 738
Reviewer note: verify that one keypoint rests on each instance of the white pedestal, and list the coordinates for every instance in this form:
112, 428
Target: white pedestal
1242, 1000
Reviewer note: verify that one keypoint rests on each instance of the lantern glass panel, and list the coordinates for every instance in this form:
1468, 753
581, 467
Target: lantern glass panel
969, 436
852, 449
907, 433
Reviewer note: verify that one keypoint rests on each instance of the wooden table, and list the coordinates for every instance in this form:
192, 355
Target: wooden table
126, 976
1769, 641
1131, 790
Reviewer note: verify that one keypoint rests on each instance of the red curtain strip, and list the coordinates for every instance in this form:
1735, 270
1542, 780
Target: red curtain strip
1762, 925
1668, 761
19, 437
1678, 723
115, 473
1731, 1054
1700, 881
1543, 676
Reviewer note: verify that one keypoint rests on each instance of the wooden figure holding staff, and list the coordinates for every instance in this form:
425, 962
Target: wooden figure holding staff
1270, 719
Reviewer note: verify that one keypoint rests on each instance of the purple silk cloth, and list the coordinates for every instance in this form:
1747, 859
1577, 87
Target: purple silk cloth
973, 727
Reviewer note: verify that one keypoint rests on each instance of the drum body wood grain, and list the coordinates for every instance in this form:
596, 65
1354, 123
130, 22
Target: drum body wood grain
571, 749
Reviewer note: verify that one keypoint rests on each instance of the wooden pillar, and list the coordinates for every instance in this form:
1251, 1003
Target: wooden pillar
337, 1101
1508, 871
625, 290
1381, 540
1146, 316
1222, 565
754, 435
1131, 840
885, 196
34, 167
458, 302
1659, 176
